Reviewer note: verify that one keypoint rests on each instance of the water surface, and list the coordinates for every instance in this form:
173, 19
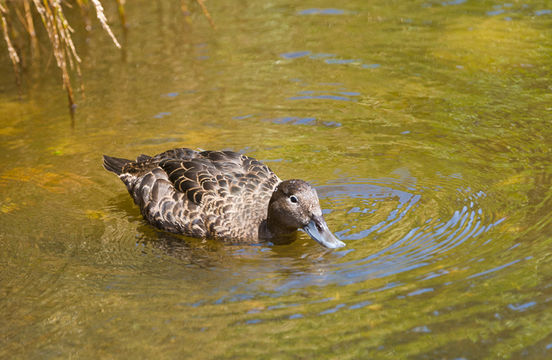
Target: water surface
424, 126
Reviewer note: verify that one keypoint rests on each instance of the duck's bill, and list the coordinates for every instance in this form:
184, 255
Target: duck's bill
318, 230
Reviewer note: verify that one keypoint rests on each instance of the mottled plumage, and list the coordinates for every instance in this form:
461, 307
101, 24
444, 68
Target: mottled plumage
220, 195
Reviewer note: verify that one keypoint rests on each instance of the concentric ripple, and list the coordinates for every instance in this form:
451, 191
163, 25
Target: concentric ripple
414, 229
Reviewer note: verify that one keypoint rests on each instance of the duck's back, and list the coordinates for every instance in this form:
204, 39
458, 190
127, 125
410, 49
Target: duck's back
209, 194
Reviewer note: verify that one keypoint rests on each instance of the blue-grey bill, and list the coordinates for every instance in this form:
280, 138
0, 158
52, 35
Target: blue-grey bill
318, 230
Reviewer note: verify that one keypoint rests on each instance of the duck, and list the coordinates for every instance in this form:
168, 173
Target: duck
221, 195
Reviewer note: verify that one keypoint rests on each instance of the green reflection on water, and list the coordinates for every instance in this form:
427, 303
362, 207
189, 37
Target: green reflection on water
407, 116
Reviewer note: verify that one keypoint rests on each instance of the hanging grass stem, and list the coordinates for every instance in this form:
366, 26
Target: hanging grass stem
59, 32
5, 30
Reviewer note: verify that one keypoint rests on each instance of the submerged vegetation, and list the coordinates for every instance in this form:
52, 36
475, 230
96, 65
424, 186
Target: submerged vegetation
19, 20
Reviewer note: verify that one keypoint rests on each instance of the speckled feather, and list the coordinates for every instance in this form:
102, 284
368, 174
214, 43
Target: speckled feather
209, 194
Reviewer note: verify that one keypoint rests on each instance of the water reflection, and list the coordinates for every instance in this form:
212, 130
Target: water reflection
327, 58
328, 11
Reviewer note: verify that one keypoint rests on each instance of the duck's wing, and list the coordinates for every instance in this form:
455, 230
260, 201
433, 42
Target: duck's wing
215, 175
193, 177
180, 153
146, 163
230, 191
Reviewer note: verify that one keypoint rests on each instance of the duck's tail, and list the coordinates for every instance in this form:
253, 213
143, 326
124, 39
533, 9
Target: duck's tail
115, 165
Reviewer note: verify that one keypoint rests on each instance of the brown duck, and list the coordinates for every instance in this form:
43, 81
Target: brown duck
221, 195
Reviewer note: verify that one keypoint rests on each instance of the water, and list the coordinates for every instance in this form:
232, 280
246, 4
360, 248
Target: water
424, 125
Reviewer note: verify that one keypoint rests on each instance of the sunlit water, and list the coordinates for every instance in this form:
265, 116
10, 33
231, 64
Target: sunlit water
424, 126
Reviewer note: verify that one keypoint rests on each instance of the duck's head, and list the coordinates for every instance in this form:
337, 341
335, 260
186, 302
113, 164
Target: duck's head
294, 205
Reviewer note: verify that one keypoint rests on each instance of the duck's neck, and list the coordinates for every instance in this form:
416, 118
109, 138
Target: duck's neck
276, 234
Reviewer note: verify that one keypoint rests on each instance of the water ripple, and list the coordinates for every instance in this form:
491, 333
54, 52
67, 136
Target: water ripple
412, 232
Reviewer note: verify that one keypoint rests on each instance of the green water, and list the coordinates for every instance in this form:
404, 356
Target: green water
424, 125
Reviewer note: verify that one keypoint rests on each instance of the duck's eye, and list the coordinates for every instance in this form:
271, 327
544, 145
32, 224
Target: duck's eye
293, 199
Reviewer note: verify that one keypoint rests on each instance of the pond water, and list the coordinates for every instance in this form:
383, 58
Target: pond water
424, 126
